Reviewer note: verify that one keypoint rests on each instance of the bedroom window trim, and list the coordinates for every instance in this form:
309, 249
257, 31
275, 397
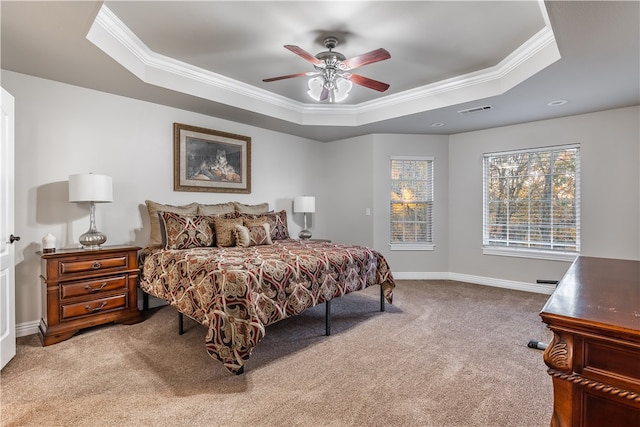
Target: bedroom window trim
551, 249
413, 244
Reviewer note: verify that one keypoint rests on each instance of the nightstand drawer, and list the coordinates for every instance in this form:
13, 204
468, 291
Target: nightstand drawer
93, 307
93, 265
91, 287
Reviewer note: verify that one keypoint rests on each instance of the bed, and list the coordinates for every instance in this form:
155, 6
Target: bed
236, 271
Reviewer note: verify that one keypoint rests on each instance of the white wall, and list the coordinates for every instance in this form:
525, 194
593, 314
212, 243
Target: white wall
349, 190
63, 129
609, 149
426, 263
357, 179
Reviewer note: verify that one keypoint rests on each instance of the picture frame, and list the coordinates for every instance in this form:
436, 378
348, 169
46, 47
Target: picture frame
210, 160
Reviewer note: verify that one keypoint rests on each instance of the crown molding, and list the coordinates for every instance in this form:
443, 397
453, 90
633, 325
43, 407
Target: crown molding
113, 37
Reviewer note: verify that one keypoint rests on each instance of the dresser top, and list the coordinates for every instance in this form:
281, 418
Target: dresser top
598, 292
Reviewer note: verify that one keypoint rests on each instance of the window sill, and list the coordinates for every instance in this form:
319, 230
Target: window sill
529, 253
412, 246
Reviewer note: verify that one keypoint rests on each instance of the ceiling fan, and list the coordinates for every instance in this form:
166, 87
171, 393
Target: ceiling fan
333, 74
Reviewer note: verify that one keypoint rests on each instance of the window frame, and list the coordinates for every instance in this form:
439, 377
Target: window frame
413, 246
543, 253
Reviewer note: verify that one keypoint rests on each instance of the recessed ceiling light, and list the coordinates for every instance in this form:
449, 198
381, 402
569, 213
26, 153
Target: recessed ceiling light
557, 102
437, 125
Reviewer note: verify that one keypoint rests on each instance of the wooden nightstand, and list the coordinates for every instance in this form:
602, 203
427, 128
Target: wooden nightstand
88, 287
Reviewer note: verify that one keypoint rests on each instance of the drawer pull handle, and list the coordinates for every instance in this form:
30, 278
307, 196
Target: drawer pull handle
96, 265
90, 289
93, 310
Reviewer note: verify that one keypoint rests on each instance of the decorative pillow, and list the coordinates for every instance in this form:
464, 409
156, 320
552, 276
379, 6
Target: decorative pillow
155, 236
276, 220
253, 236
229, 215
185, 231
251, 209
217, 209
225, 230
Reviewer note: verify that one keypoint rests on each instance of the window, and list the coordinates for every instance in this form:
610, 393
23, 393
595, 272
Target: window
532, 203
411, 203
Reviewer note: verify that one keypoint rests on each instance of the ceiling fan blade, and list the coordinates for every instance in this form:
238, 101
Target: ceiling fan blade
370, 83
290, 76
303, 54
366, 58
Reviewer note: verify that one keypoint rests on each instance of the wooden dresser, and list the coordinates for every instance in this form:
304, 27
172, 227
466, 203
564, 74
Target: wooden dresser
594, 357
88, 287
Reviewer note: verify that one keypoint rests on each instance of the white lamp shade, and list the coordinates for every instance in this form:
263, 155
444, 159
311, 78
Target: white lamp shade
90, 187
304, 204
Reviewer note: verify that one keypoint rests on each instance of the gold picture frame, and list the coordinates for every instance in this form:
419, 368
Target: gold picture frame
210, 160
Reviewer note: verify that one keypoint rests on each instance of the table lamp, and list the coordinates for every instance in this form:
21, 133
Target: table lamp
304, 205
92, 188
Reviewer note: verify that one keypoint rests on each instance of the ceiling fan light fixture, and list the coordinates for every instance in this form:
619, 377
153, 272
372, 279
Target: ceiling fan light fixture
334, 77
338, 87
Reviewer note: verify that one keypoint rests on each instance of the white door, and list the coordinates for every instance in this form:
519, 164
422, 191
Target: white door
7, 251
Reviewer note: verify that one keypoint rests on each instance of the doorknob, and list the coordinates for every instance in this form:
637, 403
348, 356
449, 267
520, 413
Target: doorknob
13, 238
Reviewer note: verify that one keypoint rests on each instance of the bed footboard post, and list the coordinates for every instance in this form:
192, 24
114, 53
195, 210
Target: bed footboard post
381, 299
180, 323
327, 317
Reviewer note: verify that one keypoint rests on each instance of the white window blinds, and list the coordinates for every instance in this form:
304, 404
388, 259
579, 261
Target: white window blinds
532, 199
411, 201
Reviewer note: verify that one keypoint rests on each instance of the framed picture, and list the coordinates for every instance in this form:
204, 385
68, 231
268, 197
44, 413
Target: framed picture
209, 160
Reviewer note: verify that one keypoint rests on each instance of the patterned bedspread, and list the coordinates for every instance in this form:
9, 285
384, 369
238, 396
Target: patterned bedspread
237, 291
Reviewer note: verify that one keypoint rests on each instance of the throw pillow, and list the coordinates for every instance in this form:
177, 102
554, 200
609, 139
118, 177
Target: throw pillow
251, 209
216, 209
185, 231
276, 220
253, 236
225, 230
153, 208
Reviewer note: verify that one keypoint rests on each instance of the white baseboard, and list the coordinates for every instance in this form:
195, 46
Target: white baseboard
30, 328
421, 275
538, 288
27, 328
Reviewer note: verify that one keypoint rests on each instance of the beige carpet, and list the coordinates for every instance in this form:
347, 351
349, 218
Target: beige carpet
445, 354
